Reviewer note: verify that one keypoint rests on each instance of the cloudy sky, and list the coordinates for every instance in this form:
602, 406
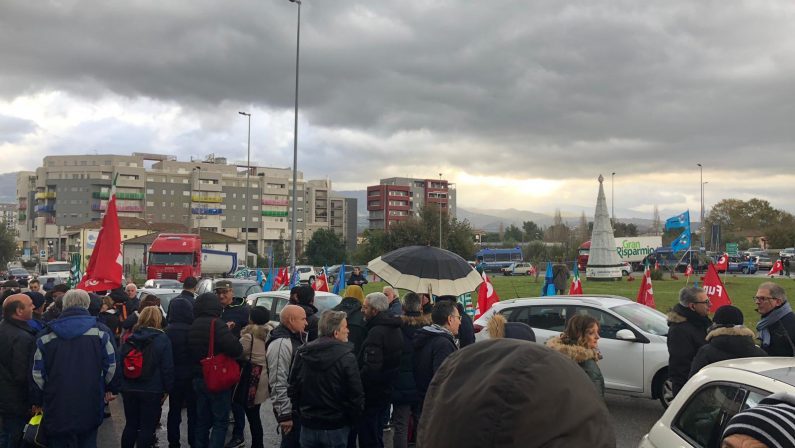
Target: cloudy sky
521, 103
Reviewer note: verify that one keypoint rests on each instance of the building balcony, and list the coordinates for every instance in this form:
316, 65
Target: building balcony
206, 198
119, 195
23, 206
130, 208
22, 217
98, 207
274, 213
44, 208
45, 195
206, 211
275, 202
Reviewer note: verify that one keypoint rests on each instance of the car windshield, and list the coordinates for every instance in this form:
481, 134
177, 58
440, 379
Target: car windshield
170, 259
323, 303
58, 267
244, 289
18, 272
645, 318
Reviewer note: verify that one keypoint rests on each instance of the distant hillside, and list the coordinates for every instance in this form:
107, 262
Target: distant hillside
8, 187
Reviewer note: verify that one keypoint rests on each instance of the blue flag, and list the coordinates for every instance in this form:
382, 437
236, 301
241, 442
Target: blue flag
294, 279
549, 288
682, 242
340, 283
259, 277
678, 221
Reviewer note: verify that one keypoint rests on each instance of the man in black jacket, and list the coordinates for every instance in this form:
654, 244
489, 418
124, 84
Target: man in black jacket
777, 325
180, 318
466, 331
325, 386
212, 408
434, 343
379, 363
305, 296
17, 343
687, 332
727, 339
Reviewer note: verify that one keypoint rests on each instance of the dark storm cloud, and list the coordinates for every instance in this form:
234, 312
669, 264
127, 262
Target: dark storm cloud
531, 88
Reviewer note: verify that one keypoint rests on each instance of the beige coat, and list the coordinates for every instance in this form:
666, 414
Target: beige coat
256, 351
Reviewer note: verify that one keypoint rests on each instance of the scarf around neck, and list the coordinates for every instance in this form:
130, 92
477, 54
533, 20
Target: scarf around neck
771, 318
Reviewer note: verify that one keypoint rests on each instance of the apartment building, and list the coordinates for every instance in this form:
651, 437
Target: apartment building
211, 194
9, 215
398, 198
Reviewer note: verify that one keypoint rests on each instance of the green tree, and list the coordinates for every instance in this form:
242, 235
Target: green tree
514, 233
532, 232
325, 248
624, 229
558, 232
279, 253
7, 245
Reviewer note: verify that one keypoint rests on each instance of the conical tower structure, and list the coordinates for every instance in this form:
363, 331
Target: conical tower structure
603, 261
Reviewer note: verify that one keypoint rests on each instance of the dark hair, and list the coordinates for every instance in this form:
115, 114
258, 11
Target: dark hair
35, 280
148, 300
442, 311
10, 307
190, 283
260, 315
306, 295
61, 287
412, 302
577, 328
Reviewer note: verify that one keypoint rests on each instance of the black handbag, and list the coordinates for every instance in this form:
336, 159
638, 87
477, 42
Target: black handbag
34, 435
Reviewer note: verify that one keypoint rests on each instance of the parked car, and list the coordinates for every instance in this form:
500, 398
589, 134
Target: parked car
20, 275
164, 294
787, 253
306, 274
700, 412
275, 301
762, 262
162, 283
241, 287
740, 264
634, 337
754, 251
333, 272
518, 268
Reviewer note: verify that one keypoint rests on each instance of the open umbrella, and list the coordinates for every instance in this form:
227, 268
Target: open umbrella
425, 269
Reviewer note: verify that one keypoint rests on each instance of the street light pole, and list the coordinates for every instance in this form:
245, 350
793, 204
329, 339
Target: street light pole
701, 184
440, 213
248, 175
613, 196
295, 140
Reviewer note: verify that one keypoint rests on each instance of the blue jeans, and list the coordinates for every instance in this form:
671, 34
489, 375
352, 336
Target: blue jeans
11, 430
212, 412
324, 438
84, 440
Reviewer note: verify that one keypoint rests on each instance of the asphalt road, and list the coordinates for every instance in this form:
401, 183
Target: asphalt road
632, 418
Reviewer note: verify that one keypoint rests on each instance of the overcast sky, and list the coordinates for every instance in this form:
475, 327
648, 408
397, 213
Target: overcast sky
521, 103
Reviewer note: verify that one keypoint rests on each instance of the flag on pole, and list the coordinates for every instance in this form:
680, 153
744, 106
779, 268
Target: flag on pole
576, 284
268, 286
339, 285
646, 292
682, 242
487, 296
723, 263
679, 221
715, 290
689, 270
778, 266
321, 281
294, 279
281, 279
549, 288
74, 271
105, 268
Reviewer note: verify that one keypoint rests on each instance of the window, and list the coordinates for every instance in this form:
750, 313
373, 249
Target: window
551, 317
150, 191
265, 302
608, 324
702, 419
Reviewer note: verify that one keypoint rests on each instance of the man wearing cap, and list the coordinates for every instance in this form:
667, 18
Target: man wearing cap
17, 343
770, 424
777, 326
727, 339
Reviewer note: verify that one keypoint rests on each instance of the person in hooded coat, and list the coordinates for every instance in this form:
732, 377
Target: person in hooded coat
180, 318
579, 342
253, 338
498, 327
352, 306
727, 339
687, 332
306, 300
506, 388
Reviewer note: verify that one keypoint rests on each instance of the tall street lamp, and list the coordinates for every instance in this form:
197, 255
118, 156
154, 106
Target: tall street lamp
440, 212
701, 184
295, 139
248, 175
613, 196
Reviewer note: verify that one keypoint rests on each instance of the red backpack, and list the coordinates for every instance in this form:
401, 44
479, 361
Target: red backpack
137, 358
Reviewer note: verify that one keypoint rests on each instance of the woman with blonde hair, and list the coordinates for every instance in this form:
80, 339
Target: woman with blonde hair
498, 327
579, 342
148, 375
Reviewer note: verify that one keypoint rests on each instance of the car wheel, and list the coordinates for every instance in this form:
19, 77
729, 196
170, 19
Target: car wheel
666, 393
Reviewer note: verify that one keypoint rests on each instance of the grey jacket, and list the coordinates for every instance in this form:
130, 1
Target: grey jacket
280, 349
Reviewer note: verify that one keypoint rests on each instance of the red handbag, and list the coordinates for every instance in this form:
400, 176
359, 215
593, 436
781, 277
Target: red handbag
220, 372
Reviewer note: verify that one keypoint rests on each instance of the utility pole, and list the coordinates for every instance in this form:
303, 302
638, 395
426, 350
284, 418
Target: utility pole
248, 191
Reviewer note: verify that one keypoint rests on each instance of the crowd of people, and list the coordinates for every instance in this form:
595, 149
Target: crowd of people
334, 379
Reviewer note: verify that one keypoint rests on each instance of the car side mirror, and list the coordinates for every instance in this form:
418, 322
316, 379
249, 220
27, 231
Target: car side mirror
626, 335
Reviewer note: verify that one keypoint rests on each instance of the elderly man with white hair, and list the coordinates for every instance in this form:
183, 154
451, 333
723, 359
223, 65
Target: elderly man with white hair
75, 373
379, 362
395, 307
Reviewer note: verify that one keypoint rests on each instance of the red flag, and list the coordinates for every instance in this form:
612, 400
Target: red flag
777, 267
321, 282
105, 268
689, 270
576, 285
487, 296
646, 293
282, 279
723, 263
656, 265
715, 290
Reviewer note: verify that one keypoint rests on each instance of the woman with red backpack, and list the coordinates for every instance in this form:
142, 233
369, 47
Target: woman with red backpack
147, 376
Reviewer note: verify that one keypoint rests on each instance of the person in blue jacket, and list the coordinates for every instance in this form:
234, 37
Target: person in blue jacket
74, 374
180, 318
143, 394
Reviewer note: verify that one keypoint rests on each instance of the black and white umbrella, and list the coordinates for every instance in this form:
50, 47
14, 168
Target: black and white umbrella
425, 269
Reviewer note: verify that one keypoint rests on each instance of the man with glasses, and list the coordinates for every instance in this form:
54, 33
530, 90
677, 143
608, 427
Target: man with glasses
687, 332
777, 326
434, 343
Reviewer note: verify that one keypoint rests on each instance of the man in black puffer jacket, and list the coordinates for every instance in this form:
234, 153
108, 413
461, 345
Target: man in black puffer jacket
212, 408
379, 363
180, 318
727, 339
434, 343
306, 300
687, 332
17, 344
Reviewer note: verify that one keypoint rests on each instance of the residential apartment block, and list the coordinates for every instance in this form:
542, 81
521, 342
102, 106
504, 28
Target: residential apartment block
210, 194
397, 198
9, 215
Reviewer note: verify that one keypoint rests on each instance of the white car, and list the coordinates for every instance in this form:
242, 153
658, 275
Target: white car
699, 413
306, 274
633, 337
518, 268
787, 253
275, 301
164, 294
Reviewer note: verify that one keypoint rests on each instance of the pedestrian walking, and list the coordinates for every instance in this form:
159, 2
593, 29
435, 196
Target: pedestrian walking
180, 319
74, 374
148, 366
212, 408
433, 344
352, 306
252, 390
379, 362
770, 424
727, 339
687, 332
786, 263
777, 326
579, 342
17, 343
281, 348
325, 386
560, 277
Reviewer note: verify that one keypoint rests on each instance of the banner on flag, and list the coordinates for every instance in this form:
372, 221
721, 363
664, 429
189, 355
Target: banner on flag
646, 292
549, 287
723, 263
339, 285
689, 270
321, 281
778, 266
715, 290
682, 242
487, 296
681, 220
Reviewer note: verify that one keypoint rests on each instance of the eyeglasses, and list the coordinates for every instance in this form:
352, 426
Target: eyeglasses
762, 298
456, 316
706, 301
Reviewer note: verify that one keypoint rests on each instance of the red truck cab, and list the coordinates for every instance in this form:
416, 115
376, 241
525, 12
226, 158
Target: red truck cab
174, 256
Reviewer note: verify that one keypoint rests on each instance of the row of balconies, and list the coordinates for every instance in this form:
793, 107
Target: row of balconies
47, 208
206, 211
119, 195
45, 195
275, 202
274, 213
120, 208
206, 198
